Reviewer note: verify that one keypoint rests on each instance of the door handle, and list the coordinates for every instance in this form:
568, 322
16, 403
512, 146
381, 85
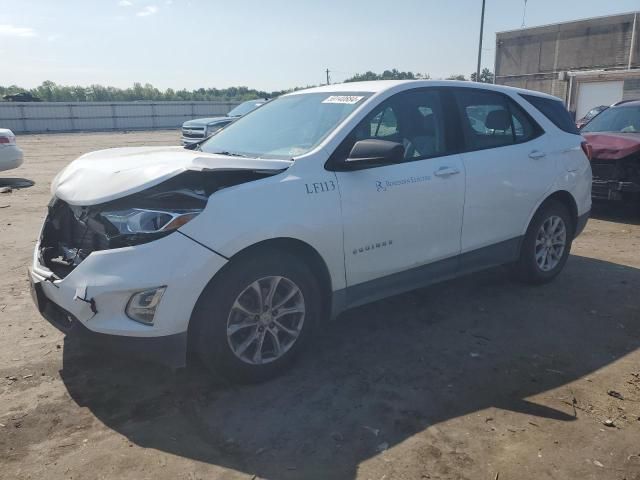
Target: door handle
446, 171
537, 154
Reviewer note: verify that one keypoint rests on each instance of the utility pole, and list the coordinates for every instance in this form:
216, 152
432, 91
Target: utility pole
328, 79
480, 43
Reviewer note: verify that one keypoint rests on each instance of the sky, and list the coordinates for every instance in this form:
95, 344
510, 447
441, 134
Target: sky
263, 44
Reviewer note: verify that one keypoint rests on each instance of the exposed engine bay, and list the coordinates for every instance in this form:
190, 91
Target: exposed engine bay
71, 233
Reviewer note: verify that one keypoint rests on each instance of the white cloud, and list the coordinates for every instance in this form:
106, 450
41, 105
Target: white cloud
168, 2
124, 3
148, 10
13, 31
53, 38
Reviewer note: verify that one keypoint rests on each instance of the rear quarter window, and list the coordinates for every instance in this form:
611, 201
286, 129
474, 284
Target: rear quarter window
554, 110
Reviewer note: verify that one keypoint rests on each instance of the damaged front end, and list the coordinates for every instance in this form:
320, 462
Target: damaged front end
616, 179
71, 233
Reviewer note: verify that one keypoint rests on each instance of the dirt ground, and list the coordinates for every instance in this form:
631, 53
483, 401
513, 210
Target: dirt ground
476, 378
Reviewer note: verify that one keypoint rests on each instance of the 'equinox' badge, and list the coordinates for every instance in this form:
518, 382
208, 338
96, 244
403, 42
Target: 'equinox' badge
373, 246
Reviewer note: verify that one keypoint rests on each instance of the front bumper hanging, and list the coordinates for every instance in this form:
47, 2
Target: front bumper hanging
169, 350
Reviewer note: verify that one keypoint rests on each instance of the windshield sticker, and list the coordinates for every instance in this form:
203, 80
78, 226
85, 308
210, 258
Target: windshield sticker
344, 99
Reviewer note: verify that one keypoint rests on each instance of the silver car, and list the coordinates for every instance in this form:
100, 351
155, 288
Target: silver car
197, 130
10, 153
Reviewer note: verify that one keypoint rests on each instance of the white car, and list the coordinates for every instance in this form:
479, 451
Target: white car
319, 201
10, 153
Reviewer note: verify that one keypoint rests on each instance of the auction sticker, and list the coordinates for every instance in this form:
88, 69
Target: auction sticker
344, 99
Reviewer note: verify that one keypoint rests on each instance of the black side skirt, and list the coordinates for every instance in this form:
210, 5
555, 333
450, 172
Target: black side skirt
424, 275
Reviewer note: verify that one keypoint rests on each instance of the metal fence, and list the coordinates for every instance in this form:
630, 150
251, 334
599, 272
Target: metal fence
39, 117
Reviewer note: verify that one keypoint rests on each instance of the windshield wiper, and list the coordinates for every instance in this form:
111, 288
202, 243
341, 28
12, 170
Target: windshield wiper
230, 154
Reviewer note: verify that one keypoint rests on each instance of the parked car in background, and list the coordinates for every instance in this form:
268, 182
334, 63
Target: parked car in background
614, 136
591, 114
319, 201
10, 153
22, 97
197, 130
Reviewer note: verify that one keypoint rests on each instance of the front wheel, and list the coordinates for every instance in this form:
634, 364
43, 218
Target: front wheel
256, 316
546, 245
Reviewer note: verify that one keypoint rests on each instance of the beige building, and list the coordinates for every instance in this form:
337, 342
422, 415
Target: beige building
587, 63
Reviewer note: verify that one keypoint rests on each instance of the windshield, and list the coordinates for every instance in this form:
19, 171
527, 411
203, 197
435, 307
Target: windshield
286, 127
617, 119
593, 112
245, 107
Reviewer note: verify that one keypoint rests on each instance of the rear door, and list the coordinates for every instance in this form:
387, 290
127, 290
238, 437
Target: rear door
507, 168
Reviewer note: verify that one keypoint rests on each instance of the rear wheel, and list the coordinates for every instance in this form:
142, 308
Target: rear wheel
546, 245
254, 318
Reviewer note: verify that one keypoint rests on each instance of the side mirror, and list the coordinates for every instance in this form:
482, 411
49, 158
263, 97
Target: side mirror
374, 153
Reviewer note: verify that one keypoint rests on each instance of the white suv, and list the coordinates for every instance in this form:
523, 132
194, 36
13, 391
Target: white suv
318, 201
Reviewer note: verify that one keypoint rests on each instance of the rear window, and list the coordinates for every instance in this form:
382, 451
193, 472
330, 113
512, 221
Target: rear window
554, 110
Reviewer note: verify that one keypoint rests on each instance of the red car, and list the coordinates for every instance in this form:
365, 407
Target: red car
614, 136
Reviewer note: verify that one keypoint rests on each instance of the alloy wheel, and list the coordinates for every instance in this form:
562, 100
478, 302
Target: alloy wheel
265, 320
551, 242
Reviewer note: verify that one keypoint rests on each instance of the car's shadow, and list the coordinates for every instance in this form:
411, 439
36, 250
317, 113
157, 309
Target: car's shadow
378, 375
16, 183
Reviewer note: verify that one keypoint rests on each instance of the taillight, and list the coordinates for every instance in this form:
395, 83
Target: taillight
587, 149
7, 140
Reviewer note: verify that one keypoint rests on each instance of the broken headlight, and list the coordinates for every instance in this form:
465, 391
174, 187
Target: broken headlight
141, 220
148, 215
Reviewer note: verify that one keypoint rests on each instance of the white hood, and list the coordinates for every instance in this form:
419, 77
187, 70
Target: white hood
106, 175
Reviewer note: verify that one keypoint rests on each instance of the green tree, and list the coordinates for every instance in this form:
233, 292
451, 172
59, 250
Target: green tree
79, 93
52, 92
486, 76
393, 74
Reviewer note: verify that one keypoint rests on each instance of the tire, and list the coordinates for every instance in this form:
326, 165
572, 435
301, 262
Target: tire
228, 327
534, 266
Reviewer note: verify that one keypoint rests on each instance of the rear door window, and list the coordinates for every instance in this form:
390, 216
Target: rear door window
524, 128
491, 120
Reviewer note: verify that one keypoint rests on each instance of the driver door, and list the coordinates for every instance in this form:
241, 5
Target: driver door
402, 222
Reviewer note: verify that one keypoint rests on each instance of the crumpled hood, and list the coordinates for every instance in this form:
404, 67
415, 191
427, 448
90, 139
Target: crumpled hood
106, 175
613, 146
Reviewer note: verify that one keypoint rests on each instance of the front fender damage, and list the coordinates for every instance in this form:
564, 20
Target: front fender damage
71, 232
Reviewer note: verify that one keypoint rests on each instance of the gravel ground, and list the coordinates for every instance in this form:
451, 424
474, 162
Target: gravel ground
476, 378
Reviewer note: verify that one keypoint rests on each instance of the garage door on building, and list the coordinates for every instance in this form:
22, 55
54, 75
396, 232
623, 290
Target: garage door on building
594, 94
